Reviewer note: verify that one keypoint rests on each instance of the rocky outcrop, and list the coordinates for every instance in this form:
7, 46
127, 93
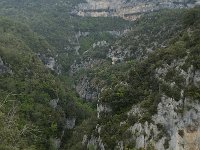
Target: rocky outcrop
180, 120
169, 130
93, 142
99, 44
55, 143
177, 123
54, 103
175, 126
127, 9
180, 127
87, 63
86, 90
85, 86
70, 123
102, 108
118, 54
3, 67
49, 62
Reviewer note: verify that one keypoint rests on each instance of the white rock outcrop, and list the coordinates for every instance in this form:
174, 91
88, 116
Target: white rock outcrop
126, 9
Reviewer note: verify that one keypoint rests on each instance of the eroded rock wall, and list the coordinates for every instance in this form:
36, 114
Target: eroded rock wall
127, 9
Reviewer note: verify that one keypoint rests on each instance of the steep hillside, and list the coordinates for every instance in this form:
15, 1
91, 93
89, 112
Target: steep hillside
81, 74
155, 103
93, 70
36, 109
66, 32
39, 108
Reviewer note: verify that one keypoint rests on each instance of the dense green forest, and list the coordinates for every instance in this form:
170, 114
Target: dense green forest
28, 120
40, 107
53, 21
29, 29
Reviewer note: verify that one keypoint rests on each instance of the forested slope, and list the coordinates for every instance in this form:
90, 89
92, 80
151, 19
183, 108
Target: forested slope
71, 82
35, 104
153, 102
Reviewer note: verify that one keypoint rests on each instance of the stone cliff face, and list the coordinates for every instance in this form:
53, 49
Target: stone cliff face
182, 129
86, 90
127, 9
3, 67
175, 126
50, 63
85, 86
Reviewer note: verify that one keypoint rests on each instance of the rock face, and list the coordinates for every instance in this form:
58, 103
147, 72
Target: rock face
93, 142
88, 63
175, 126
177, 122
49, 62
86, 90
54, 103
55, 143
118, 54
85, 86
127, 9
102, 108
70, 123
3, 67
183, 130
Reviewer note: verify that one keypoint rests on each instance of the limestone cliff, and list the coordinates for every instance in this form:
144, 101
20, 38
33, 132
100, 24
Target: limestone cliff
127, 9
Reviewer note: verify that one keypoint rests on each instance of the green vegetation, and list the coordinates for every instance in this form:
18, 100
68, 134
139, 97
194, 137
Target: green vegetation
29, 121
101, 24
29, 28
135, 82
53, 20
